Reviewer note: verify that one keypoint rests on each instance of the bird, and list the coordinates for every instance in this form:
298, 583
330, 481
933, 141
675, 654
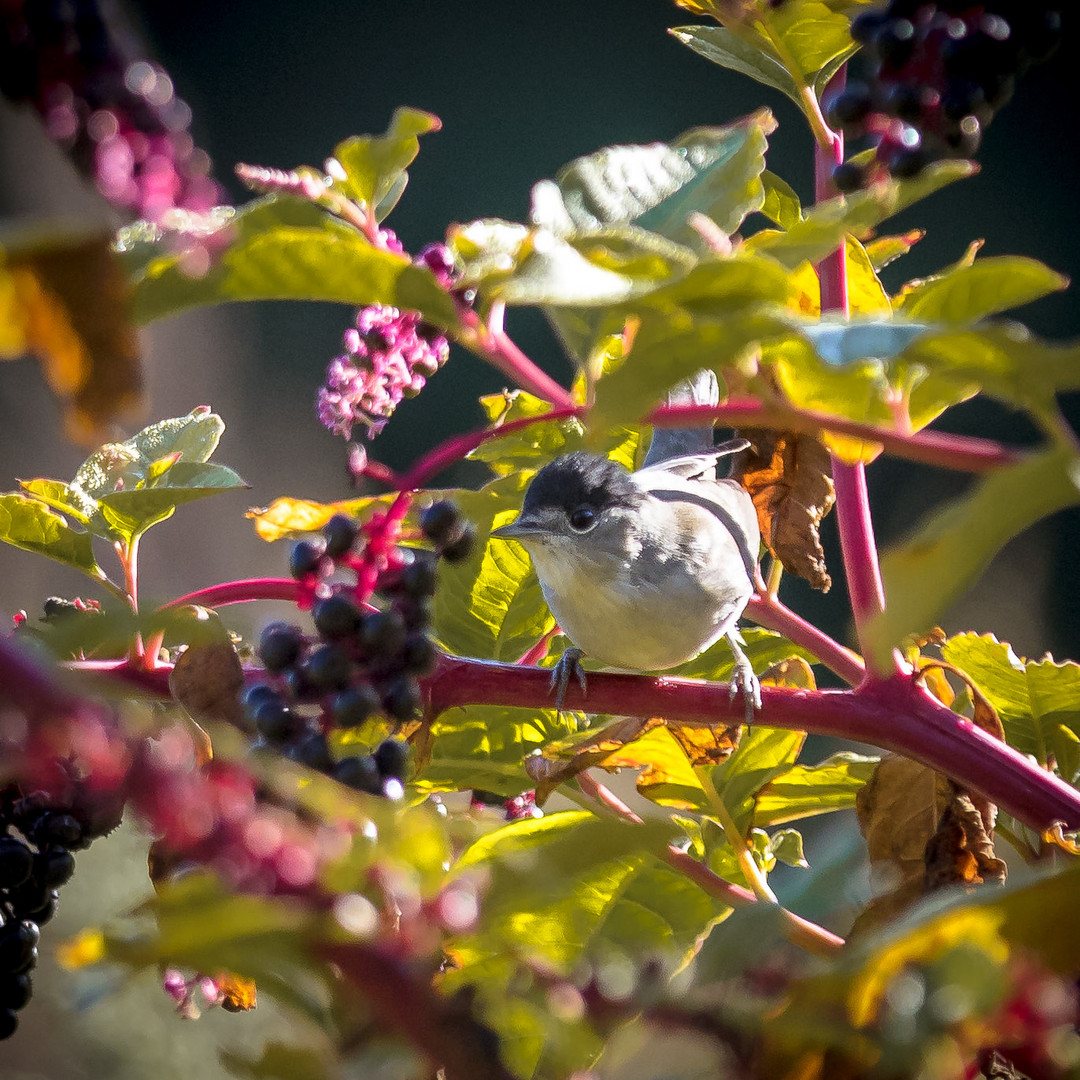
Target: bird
645, 570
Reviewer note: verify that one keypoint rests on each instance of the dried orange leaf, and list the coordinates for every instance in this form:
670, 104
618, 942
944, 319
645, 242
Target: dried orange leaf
238, 993
74, 302
961, 851
207, 678
794, 671
789, 477
704, 745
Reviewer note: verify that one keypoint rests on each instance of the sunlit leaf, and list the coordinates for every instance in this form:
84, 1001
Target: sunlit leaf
806, 790
282, 248
375, 165
289, 518
31, 525
952, 548
1032, 697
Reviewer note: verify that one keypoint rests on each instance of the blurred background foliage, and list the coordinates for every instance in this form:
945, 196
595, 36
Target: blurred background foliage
521, 90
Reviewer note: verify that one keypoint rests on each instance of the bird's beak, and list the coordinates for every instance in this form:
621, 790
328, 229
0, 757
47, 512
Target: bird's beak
521, 529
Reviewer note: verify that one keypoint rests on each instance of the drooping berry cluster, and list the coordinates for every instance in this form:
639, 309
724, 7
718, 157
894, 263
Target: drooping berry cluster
116, 114
38, 833
389, 355
365, 659
939, 73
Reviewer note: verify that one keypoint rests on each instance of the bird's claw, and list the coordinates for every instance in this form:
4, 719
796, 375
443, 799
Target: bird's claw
569, 665
745, 682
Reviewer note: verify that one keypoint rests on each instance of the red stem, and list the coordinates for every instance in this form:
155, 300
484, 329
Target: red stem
767, 611
894, 714
240, 592
499, 351
963, 453
852, 504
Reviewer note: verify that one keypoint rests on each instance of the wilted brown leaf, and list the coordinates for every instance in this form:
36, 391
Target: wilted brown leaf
961, 851
898, 811
789, 477
564, 760
208, 678
73, 299
922, 833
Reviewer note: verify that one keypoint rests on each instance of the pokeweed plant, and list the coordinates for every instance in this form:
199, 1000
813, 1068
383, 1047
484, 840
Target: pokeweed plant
310, 839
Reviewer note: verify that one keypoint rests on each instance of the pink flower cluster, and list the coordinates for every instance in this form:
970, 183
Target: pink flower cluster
389, 355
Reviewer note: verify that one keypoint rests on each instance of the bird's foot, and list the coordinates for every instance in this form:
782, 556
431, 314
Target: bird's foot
569, 665
744, 681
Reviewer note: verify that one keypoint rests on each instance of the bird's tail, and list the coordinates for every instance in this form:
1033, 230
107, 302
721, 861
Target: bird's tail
699, 389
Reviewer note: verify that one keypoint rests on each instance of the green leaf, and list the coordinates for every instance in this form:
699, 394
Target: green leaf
283, 248
966, 293
721, 46
31, 525
131, 513
1003, 359
826, 223
70, 501
485, 747
535, 445
781, 204
952, 548
806, 790
714, 171
885, 249
762, 755
490, 605
786, 845
1033, 698
375, 165
594, 888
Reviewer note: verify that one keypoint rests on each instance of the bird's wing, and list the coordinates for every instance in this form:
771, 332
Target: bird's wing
727, 500
667, 443
694, 466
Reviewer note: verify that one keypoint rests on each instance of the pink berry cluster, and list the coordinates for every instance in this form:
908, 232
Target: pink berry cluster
114, 112
389, 355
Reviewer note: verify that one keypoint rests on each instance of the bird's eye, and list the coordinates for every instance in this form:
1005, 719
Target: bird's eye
582, 519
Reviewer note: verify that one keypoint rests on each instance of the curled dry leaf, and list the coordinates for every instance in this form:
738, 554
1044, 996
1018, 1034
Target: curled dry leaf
961, 851
922, 834
207, 678
789, 477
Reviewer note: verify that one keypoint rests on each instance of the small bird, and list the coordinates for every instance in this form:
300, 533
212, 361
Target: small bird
645, 570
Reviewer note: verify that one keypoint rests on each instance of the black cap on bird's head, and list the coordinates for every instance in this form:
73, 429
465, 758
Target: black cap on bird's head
575, 488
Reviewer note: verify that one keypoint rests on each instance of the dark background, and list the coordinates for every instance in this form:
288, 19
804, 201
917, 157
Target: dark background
521, 90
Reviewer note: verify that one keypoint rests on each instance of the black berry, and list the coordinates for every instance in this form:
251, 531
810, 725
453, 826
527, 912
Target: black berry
16, 862
60, 829
9, 1021
55, 867
382, 633
327, 668
17, 945
360, 773
306, 559
335, 616
459, 549
402, 699
280, 645
340, 535
354, 705
312, 750
442, 523
418, 656
275, 721
16, 991
392, 759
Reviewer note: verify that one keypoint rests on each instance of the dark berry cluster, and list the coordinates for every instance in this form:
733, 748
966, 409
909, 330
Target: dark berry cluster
37, 837
365, 659
116, 114
939, 72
